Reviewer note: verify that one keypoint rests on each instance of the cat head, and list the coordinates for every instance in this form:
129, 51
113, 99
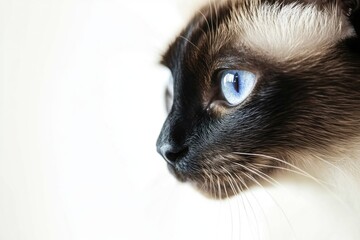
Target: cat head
255, 85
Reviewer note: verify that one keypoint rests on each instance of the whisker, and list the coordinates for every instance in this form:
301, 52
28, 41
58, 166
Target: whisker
216, 13
334, 166
186, 39
241, 189
325, 187
242, 196
252, 210
210, 184
276, 203
286, 163
219, 187
231, 211
204, 183
257, 174
212, 181
257, 202
265, 175
229, 174
288, 170
212, 24
207, 22
273, 158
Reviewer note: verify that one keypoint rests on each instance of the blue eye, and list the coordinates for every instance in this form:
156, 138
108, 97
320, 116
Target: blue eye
236, 85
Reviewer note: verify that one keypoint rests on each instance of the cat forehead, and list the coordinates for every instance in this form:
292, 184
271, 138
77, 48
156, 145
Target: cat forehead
278, 31
291, 31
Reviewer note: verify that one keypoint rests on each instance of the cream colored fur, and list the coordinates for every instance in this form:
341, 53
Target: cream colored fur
291, 31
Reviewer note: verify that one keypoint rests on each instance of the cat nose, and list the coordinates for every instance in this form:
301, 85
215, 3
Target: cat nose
172, 154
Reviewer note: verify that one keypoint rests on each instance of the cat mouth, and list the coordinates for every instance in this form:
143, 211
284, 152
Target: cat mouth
180, 177
221, 181
212, 186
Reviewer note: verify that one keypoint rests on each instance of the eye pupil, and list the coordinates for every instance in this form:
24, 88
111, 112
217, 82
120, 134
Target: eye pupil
236, 83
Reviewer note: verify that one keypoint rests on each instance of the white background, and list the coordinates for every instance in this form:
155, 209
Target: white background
81, 106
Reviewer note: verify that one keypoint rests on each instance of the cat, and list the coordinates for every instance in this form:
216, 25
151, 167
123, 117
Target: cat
262, 88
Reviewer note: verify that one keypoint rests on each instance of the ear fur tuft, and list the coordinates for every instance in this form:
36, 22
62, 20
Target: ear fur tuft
352, 9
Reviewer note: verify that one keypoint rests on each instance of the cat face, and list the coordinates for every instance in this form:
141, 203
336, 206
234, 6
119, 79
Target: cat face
255, 85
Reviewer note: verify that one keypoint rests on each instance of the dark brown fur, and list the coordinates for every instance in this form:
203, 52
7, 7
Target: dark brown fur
308, 105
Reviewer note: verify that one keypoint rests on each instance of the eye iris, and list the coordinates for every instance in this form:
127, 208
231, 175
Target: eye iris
236, 85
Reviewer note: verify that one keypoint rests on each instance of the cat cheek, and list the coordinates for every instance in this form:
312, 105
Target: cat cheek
218, 109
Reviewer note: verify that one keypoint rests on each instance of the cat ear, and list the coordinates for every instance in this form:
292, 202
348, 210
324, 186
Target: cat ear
352, 10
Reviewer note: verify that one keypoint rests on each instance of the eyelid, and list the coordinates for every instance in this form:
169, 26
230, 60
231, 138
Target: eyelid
217, 71
216, 74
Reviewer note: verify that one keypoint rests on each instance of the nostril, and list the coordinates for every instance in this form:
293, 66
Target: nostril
173, 154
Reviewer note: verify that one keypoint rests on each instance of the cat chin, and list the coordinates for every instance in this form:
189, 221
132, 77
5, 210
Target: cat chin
180, 177
215, 192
